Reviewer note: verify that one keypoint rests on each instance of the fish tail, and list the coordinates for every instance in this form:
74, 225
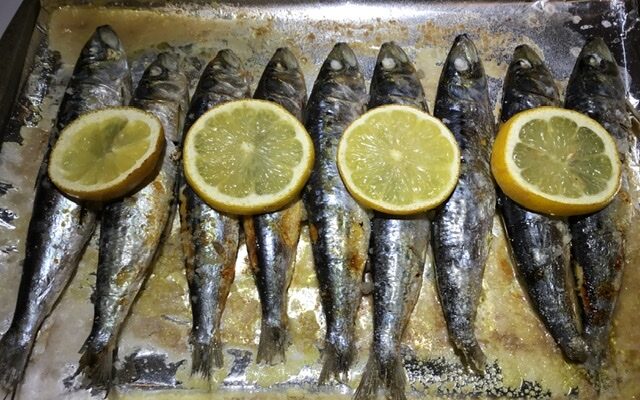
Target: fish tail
273, 343
473, 357
388, 374
598, 341
337, 362
206, 356
96, 365
14, 356
575, 348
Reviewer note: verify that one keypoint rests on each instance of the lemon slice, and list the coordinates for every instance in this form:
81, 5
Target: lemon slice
556, 161
247, 157
103, 155
399, 160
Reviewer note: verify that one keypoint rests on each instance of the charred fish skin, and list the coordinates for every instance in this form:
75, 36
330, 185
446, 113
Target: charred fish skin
596, 89
210, 239
398, 247
540, 244
60, 228
338, 226
461, 227
272, 238
133, 228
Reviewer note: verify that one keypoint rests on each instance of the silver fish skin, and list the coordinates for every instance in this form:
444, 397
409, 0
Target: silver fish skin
598, 240
398, 247
339, 227
133, 228
540, 244
461, 227
209, 238
272, 238
60, 227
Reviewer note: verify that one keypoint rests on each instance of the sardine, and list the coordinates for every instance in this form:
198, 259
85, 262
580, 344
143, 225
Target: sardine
339, 227
598, 240
462, 226
540, 244
272, 238
133, 228
60, 227
398, 246
210, 238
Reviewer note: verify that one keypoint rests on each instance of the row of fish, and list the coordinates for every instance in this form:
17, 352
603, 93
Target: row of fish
346, 239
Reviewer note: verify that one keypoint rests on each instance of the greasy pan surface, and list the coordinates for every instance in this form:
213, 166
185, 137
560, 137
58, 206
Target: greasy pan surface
154, 350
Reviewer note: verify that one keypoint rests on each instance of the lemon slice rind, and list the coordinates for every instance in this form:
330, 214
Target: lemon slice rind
253, 203
510, 180
415, 206
127, 180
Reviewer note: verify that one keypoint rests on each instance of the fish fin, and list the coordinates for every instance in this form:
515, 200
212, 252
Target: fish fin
206, 356
96, 367
336, 363
14, 357
598, 340
389, 375
273, 344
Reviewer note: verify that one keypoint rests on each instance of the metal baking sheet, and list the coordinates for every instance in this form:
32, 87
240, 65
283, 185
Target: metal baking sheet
154, 355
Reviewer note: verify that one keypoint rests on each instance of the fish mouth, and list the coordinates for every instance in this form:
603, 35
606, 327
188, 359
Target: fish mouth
463, 54
526, 57
284, 59
391, 55
342, 57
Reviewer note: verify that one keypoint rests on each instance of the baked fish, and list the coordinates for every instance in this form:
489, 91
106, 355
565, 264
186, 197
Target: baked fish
398, 246
540, 244
272, 238
598, 240
210, 238
339, 227
60, 227
132, 229
461, 227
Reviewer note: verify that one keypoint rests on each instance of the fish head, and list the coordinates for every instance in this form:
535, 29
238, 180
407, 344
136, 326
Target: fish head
104, 45
283, 82
341, 65
163, 80
165, 66
283, 61
227, 59
598, 69
395, 79
227, 69
282, 77
164, 91
528, 75
392, 60
463, 65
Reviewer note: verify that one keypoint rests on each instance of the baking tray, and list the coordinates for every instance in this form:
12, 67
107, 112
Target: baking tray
154, 352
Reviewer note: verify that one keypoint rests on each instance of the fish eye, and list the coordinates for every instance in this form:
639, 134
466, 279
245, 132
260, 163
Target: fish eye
594, 60
155, 71
461, 65
280, 65
388, 63
335, 65
524, 64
